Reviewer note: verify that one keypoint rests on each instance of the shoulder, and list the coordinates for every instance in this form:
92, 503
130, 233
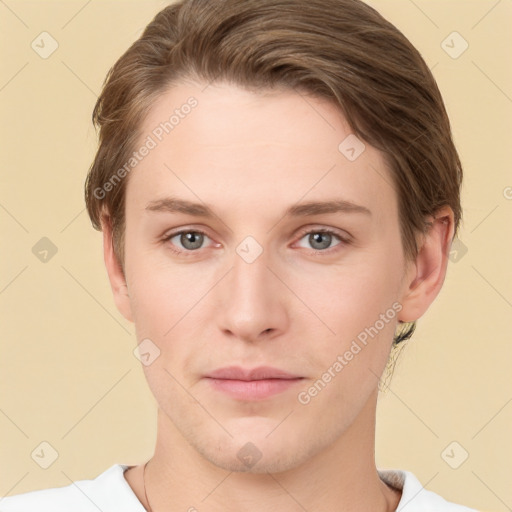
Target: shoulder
415, 498
108, 492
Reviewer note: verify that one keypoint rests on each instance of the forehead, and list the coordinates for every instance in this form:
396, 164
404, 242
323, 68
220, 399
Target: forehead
234, 147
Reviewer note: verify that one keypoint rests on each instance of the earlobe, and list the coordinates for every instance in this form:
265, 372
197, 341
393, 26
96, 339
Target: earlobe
427, 275
115, 271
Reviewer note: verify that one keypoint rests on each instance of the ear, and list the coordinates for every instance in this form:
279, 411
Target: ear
115, 271
426, 274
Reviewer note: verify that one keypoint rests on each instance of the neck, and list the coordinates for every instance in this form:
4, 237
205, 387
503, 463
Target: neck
342, 477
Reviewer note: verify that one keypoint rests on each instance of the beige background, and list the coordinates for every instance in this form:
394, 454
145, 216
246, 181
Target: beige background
68, 374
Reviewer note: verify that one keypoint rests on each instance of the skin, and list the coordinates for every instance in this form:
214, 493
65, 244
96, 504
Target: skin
250, 156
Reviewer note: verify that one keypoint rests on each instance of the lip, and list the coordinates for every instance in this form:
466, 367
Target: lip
259, 373
251, 384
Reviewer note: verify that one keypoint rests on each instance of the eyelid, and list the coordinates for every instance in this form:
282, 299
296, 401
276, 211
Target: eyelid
178, 231
168, 235
343, 237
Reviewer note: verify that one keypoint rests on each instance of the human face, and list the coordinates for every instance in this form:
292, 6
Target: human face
261, 286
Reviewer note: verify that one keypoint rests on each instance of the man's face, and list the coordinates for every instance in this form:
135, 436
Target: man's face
252, 285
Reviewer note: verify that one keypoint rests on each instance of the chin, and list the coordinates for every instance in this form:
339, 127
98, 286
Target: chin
251, 459
258, 449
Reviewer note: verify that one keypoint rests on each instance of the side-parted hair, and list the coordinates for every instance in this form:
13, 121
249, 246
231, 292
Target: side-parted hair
340, 50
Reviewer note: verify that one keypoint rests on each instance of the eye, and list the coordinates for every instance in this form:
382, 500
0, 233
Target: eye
321, 239
187, 240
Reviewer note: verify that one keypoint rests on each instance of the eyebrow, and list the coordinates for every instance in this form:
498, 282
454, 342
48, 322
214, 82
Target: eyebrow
175, 205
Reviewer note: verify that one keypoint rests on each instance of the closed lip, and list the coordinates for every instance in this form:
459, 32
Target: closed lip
259, 373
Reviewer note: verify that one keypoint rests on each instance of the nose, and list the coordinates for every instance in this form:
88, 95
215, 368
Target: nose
254, 301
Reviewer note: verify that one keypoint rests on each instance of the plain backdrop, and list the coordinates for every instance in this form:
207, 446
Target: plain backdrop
69, 377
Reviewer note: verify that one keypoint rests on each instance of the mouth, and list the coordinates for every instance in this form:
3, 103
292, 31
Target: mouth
253, 384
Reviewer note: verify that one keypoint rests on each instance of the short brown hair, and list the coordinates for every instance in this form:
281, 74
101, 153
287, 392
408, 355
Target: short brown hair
342, 50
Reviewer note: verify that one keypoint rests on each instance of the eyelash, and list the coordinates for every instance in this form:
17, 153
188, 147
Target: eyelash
343, 240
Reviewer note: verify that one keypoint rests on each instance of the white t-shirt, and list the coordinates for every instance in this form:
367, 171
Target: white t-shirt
110, 492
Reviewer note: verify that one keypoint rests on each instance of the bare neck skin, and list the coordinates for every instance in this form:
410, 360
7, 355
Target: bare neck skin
342, 478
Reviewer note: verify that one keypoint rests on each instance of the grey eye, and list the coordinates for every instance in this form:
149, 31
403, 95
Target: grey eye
190, 240
320, 240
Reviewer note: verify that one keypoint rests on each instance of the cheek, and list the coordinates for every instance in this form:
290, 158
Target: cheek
356, 312
348, 298
162, 293
164, 301
360, 307
171, 306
